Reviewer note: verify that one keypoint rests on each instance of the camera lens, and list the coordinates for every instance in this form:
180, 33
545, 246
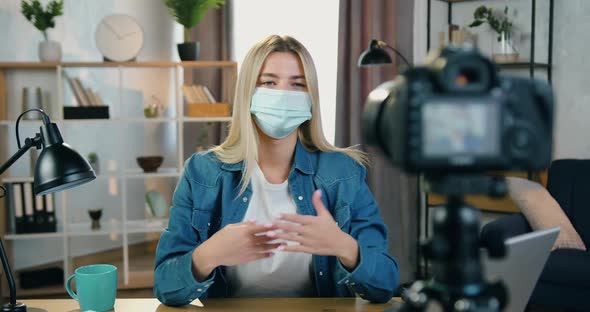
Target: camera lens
373, 112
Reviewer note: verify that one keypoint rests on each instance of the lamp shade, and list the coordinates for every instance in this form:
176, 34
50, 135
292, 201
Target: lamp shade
374, 56
60, 167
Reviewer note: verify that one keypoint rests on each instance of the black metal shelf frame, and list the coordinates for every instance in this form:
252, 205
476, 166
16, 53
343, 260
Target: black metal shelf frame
422, 272
532, 65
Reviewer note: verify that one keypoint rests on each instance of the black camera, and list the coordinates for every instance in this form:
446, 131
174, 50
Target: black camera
455, 114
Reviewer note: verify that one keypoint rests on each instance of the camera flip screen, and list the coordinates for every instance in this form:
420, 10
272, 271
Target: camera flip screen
467, 128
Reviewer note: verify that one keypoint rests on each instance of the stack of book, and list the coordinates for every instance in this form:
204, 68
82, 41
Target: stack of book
84, 96
200, 102
89, 103
29, 213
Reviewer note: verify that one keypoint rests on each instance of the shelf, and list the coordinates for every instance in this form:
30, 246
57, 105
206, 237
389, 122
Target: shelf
161, 173
32, 179
33, 236
83, 229
116, 227
155, 225
131, 173
151, 120
22, 122
206, 119
456, 1
522, 65
161, 64
146, 226
18, 180
90, 120
121, 120
28, 65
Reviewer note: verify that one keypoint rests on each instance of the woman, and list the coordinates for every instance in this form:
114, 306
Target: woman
275, 210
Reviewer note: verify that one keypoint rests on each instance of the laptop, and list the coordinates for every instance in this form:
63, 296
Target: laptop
520, 269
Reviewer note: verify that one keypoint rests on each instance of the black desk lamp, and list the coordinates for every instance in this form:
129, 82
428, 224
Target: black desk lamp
58, 167
376, 55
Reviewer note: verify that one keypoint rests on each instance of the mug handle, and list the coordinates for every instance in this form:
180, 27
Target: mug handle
69, 289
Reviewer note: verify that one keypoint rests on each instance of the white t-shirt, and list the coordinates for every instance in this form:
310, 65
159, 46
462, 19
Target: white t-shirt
286, 274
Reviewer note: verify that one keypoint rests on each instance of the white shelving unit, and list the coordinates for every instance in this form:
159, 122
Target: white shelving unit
123, 228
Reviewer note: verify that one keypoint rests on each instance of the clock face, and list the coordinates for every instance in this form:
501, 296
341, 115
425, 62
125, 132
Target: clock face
119, 37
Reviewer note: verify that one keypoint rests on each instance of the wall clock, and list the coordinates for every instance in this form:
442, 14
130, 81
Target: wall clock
119, 38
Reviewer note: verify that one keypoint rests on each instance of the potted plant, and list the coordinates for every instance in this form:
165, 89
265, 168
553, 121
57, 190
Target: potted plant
188, 13
203, 137
43, 19
501, 24
93, 160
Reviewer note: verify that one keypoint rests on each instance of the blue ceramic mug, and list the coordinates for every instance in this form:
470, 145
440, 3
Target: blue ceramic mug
96, 287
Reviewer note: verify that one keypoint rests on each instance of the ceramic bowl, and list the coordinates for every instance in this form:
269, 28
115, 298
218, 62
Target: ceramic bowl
150, 163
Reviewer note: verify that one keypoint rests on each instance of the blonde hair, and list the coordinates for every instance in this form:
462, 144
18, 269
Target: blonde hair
241, 143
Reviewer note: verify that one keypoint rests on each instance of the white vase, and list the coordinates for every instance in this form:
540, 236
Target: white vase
49, 51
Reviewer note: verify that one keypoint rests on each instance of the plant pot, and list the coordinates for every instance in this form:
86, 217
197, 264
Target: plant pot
49, 51
188, 51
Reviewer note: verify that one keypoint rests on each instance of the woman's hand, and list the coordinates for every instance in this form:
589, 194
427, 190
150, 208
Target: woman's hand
319, 235
234, 244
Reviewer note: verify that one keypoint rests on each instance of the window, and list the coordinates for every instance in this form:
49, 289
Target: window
314, 23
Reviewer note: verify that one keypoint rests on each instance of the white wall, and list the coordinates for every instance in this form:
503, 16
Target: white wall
570, 68
75, 30
314, 23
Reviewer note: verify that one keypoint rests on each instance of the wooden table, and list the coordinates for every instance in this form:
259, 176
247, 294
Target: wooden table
233, 304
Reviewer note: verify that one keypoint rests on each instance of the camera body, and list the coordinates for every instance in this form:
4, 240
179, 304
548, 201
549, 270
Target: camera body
455, 114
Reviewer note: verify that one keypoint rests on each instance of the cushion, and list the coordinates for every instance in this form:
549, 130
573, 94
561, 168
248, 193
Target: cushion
543, 212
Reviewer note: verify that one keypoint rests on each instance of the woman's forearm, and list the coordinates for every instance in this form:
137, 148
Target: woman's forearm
349, 252
203, 262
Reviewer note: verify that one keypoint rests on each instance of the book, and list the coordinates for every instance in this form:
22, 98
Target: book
25, 102
38, 102
29, 221
188, 94
9, 209
209, 95
75, 89
17, 200
39, 215
82, 90
50, 213
200, 94
91, 96
99, 101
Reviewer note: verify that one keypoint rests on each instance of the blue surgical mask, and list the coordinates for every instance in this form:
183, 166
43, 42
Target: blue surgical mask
279, 112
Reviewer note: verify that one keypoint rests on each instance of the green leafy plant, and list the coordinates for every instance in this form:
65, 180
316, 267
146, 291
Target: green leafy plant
498, 20
189, 13
92, 157
42, 19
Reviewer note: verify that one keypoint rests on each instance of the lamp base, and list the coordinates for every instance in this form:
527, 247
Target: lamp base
17, 307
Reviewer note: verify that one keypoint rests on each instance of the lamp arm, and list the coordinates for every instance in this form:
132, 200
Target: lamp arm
384, 44
29, 142
8, 272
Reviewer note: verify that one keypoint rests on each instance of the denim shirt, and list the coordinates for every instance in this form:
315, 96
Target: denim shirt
206, 199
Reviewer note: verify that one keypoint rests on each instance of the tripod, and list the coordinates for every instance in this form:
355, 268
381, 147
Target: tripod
458, 283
